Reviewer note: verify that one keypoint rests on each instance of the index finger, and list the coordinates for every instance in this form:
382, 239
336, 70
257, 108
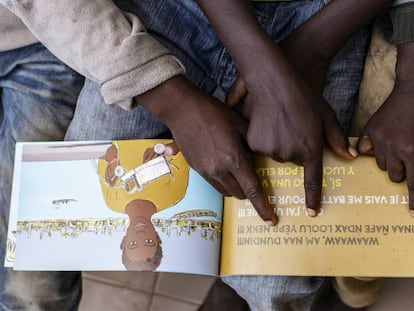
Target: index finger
313, 184
410, 184
236, 93
250, 184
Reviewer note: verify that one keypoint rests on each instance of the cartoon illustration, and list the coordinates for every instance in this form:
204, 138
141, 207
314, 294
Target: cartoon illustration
59, 202
140, 186
141, 244
132, 194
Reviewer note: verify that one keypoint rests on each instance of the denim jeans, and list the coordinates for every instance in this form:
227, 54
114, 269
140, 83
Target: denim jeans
38, 98
181, 27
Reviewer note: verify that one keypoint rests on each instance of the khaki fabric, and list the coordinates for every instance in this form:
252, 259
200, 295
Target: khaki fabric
377, 83
378, 80
358, 292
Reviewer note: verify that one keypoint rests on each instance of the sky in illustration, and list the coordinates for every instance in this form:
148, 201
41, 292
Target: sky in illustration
43, 182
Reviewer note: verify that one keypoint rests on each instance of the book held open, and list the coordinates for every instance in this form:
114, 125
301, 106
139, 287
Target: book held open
130, 205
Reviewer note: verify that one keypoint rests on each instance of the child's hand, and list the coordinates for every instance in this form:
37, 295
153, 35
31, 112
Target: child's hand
389, 134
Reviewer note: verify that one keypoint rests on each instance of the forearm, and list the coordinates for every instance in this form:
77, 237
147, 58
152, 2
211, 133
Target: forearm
405, 65
170, 99
332, 26
238, 28
240, 31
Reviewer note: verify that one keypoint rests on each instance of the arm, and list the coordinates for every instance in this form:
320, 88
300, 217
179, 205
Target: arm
113, 48
211, 137
283, 122
278, 102
312, 45
389, 133
319, 38
101, 42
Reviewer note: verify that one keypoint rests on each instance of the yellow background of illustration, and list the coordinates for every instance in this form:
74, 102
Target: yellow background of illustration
163, 192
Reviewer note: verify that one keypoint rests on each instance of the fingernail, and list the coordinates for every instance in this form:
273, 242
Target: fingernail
270, 223
352, 151
311, 212
411, 211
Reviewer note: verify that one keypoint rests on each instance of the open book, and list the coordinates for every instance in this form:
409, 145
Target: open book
137, 205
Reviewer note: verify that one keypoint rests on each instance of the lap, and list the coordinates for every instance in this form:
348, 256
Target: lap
277, 293
182, 27
38, 98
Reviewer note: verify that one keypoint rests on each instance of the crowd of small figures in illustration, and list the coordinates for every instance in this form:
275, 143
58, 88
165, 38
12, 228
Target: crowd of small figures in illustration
210, 229
185, 223
72, 228
189, 222
67, 228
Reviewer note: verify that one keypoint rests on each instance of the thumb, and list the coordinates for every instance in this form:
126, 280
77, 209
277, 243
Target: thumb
250, 184
238, 123
365, 145
236, 93
336, 137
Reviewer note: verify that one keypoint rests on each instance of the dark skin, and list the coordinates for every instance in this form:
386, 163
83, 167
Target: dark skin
211, 137
187, 111
389, 133
289, 120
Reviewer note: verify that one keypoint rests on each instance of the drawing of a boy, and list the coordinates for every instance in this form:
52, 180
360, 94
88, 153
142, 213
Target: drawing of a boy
139, 180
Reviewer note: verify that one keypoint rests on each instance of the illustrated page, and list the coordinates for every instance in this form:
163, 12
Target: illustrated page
122, 205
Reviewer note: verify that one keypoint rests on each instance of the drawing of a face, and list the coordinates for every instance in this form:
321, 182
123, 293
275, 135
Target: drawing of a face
141, 240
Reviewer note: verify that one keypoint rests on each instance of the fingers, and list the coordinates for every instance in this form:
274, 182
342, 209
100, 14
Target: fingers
339, 142
236, 93
396, 169
244, 183
380, 157
336, 137
313, 185
251, 187
218, 186
238, 123
231, 186
365, 145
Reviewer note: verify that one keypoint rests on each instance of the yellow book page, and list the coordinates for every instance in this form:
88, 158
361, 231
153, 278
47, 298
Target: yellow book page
363, 229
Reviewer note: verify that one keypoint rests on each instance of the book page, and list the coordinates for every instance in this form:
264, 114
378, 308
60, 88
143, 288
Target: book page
363, 228
122, 205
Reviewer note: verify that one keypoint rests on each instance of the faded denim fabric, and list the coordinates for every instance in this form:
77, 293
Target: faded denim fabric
38, 98
181, 26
